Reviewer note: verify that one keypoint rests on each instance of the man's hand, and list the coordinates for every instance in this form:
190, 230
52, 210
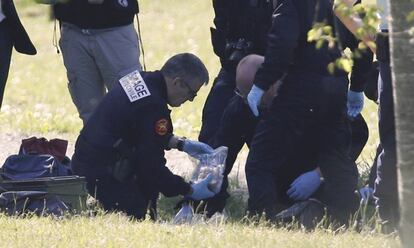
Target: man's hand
253, 98
195, 148
304, 186
200, 190
355, 103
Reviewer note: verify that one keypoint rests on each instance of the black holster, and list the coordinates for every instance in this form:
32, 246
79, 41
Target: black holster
122, 170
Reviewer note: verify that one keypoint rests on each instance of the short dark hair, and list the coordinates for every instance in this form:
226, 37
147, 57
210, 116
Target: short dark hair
186, 66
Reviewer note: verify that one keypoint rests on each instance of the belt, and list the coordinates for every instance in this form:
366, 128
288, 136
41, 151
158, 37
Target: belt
89, 31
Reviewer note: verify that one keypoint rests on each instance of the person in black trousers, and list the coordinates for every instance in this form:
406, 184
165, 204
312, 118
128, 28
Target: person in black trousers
12, 34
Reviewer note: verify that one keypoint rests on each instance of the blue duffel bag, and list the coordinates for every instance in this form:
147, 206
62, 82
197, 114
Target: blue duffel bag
30, 166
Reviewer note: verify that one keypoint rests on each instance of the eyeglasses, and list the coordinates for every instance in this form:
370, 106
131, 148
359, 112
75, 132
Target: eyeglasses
192, 93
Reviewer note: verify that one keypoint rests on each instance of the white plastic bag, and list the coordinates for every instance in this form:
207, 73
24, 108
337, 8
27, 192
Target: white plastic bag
213, 163
184, 216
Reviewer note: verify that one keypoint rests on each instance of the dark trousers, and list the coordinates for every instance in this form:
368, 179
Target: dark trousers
359, 136
386, 188
304, 160
128, 196
6, 46
218, 98
305, 104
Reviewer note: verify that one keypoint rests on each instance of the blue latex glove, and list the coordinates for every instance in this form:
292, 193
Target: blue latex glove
304, 186
355, 103
366, 193
254, 98
195, 148
200, 189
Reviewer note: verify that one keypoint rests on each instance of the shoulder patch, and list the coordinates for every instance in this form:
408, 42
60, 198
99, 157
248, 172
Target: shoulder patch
161, 127
134, 86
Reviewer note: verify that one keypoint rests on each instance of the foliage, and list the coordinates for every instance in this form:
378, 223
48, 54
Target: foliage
322, 33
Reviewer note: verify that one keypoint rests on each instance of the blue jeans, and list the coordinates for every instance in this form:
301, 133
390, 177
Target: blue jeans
6, 46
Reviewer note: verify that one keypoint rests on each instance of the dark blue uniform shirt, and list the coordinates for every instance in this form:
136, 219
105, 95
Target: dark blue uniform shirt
109, 14
240, 19
144, 126
289, 51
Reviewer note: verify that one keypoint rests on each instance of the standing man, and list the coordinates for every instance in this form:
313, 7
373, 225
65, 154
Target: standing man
386, 187
309, 100
120, 150
98, 43
12, 33
241, 29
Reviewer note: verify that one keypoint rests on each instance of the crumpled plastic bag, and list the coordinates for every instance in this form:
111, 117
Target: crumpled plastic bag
185, 215
214, 164
205, 164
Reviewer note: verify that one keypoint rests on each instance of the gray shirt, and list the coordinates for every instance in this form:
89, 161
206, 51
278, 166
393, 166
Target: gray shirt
384, 13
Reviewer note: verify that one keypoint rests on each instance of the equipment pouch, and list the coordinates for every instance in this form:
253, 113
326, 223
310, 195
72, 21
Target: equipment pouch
122, 170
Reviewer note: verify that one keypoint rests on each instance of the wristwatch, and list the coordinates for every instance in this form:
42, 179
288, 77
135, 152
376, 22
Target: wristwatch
180, 143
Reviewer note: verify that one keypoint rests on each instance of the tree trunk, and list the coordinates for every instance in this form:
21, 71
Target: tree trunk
402, 64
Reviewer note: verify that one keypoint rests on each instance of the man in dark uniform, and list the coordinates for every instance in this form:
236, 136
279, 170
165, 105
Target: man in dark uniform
386, 182
310, 100
120, 150
241, 29
237, 128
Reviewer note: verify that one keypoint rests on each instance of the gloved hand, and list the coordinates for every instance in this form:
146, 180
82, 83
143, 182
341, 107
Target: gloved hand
304, 186
355, 103
366, 193
254, 98
194, 148
200, 189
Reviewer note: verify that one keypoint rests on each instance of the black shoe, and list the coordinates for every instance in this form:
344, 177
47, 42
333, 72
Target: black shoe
308, 213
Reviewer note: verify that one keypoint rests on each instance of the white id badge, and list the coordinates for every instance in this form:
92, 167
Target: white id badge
134, 86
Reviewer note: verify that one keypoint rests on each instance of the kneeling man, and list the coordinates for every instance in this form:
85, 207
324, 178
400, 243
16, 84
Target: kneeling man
120, 150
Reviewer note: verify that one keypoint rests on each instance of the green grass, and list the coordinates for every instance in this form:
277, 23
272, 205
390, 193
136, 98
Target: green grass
37, 102
117, 231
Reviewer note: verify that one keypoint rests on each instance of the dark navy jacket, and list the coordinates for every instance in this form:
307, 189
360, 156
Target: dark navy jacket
289, 51
109, 14
145, 127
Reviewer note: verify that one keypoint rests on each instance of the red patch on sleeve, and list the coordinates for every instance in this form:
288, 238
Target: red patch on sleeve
161, 127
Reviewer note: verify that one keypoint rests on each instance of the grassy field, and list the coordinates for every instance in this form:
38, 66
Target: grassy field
37, 102
117, 231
